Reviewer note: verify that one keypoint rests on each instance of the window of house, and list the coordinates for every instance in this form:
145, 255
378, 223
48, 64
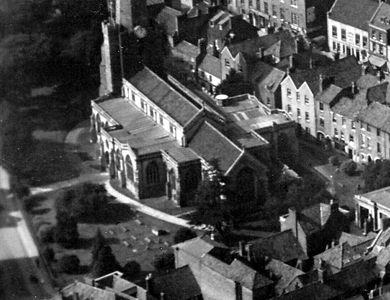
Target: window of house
258, 4
321, 106
129, 169
307, 117
210, 78
274, 11
132, 96
343, 121
378, 132
307, 129
227, 63
357, 39
144, 106
343, 34
353, 125
151, 111
152, 173
298, 113
266, 7
322, 123
334, 31
250, 2
282, 13
172, 129
381, 50
289, 108
342, 135
289, 93
368, 140
239, 68
294, 19
373, 34
380, 37
351, 138
294, 2
298, 97
334, 120
378, 148
306, 99
336, 132
368, 128
362, 140
161, 120
268, 101
365, 41
334, 46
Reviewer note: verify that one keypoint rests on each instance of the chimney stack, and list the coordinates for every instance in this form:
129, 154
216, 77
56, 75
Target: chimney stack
311, 63
241, 248
334, 206
249, 252
321, 271
162, 296
353, 88
321, 82
149, 283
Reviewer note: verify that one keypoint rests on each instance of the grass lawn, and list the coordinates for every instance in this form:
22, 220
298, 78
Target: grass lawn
128, 232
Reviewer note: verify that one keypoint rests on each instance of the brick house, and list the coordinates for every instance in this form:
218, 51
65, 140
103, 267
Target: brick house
300, 15
348, 28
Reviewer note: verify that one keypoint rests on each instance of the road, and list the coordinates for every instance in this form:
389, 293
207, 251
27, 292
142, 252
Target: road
18, 253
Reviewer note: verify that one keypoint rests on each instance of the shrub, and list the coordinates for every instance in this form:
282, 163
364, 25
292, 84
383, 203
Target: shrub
46, 234
132, 268
334, 160
349, 167
184, 234
48, 254
163, 261
69, 264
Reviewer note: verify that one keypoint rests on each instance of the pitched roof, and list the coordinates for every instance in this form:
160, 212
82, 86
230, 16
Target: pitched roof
284, 272
210, 143
181, 155
351, 107
379, 93
168, 18
211, 65
343, 71
237, 271
357, 17
281, 44
282, 246
366, 81
355, 240
377, 115
199, 246
329, 94
267, 76
178, 284
381, 17
340, 256
164, 96
383, 258
188, 49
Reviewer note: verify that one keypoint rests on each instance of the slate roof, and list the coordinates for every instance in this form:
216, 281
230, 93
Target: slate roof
357, 17
379, 93
340, 256
199, 246
237, 271
281, 44
355, 240
212, 65
377, 115
210, 143
139, 131
383, 11
168, 18
351, 108
188, 49
344, 71
282, 246
284, 272
366, 81
329, 94
267, 76
164, 96
154, 2
178, 284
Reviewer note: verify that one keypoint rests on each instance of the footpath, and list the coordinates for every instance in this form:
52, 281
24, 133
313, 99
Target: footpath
79, 138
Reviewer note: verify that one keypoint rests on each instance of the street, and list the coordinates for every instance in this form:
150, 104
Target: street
18, 253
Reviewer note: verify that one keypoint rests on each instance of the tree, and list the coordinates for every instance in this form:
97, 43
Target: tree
131, 268
287, 149
376, 175
334, 160
106, 262
99, 242
234, 85
184, 234
69, 264
349, 167
163, 261
66, 230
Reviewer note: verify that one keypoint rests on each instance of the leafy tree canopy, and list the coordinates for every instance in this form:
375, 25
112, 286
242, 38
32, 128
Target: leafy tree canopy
184, 234
376, 175
234, 85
